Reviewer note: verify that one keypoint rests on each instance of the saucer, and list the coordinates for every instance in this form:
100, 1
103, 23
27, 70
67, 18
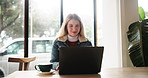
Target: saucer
47, 73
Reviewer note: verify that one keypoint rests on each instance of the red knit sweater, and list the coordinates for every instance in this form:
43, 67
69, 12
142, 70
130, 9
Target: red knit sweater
72, 44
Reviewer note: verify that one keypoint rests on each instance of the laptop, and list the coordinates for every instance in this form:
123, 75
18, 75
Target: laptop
80, 60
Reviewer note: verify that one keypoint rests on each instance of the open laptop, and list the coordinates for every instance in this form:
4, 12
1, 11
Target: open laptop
80, 60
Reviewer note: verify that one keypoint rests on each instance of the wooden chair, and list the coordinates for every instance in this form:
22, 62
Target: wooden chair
22, 61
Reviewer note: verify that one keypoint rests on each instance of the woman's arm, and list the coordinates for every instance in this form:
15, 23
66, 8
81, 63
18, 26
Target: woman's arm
55, 56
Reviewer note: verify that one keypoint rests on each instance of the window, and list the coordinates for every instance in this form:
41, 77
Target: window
44, 18
11, 20
143, 4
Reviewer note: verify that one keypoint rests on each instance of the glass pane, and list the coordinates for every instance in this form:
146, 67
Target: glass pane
85, 10
11, 30
143, 4
44, 18
44, 23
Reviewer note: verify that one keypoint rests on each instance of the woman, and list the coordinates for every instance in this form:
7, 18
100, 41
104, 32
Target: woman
71, 35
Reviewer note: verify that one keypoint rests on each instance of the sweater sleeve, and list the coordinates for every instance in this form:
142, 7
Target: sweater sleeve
55, 55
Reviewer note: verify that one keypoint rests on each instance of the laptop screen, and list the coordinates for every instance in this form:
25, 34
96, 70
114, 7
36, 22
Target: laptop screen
80, 60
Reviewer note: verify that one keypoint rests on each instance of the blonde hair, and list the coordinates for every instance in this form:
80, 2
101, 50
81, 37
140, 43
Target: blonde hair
63, 30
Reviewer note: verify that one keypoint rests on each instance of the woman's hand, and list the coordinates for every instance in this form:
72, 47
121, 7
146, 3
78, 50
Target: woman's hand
57, 68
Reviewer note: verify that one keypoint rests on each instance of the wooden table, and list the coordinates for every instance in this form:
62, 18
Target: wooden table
129, 72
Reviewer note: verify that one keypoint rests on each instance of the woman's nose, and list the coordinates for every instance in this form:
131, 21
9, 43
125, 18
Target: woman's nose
74, 28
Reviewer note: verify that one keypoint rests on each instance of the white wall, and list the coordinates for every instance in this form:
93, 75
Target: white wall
117, 15
129, 14
111, 34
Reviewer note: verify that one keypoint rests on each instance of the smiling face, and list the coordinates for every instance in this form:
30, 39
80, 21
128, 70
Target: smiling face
73, 27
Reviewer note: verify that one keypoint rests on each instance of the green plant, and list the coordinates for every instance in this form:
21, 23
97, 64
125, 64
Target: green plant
141, 13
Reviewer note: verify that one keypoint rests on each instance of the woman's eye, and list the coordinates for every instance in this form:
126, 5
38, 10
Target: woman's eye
77, 25
70, 25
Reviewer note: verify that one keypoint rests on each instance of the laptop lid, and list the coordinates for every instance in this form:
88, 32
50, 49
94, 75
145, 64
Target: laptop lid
80, 60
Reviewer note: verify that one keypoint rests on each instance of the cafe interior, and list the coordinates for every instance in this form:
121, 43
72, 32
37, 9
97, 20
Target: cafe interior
120, 26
